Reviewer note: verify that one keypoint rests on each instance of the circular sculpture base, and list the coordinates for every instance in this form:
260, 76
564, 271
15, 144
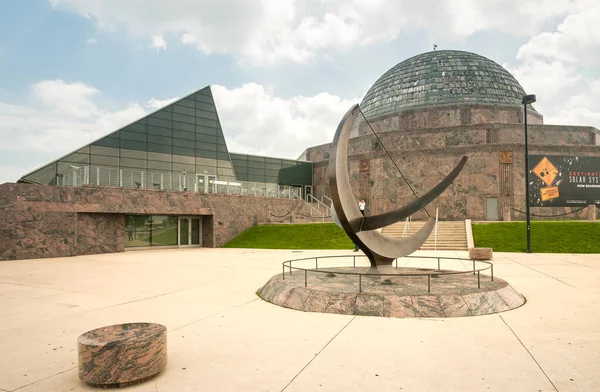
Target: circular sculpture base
391, 296
121, 355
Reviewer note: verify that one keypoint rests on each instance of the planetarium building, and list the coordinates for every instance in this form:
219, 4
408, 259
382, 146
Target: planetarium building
431, 110
169, 178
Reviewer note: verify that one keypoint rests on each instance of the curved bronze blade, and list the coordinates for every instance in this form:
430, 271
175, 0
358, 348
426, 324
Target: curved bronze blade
387, 218
378, 248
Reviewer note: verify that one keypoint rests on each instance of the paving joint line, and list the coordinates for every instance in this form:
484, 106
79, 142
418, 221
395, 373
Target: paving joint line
528, 352
316, 355
212, 315
45, 378
39, 287
543, 273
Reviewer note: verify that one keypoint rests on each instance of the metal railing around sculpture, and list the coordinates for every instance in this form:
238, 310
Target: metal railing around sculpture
437, 272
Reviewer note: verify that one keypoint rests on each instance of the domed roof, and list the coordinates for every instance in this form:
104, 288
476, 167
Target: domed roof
441, 77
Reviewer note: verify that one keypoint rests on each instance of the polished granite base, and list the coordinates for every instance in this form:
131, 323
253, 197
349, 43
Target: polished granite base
401, 296
123, 354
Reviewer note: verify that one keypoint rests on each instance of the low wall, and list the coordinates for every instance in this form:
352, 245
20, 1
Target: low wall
45, 221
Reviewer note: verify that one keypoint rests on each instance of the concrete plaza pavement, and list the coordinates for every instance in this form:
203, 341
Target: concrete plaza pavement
222, 337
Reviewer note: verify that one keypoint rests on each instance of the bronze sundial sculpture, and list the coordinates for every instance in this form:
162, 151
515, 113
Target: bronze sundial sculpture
362, 230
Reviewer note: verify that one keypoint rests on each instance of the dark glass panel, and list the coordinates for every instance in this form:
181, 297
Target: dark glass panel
184, 231
183, 110
241, 176
255, 159
159, 131
160, 148
101, 160
206, 154
221, 140
260, 165
160, 139
205, 98
207, 130
157, 165
183, 151
159, 122
44, 176
255, 178
183, 126
206, 122
272, 173
165, 115
206, 146
164, 230
222, 148
184, 119
156, 156
183, 143
139, 137
273, 180
133, 154
84, 150
206, 138
273, 166
135, 163
107, 142
195, 231
190, 103
184, 135
135, 127
206, 114
133, 145
223, 156
137, 230
209, 107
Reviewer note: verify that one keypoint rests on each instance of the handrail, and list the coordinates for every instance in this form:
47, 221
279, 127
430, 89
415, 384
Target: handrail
438, 272
405, 231
328, 198
436, 226
319, 203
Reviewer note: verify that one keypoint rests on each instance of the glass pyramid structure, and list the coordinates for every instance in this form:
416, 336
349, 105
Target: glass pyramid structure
178, 147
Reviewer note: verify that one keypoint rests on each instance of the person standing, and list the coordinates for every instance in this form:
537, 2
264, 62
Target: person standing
361, 207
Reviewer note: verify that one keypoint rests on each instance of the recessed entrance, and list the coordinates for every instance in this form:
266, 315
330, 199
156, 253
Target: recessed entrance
491, 208
190, 231
205, 183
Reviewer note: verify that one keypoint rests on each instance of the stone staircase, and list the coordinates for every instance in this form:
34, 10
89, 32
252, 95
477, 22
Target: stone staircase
451, 235
304, 214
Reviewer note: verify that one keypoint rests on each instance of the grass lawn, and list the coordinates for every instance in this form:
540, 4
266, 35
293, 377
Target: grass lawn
546, 237
310, 236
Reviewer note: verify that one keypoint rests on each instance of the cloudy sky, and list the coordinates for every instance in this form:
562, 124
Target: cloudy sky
283, 71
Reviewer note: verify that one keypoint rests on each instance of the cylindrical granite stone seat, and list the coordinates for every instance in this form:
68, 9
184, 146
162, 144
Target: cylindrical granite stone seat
122, 354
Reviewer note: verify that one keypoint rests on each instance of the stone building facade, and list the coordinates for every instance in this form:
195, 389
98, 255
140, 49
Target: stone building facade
41, 221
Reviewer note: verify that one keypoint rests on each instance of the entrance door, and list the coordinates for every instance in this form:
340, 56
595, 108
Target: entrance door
184, 231
211, 186
200, 183
491, 208
307, 192
190, 231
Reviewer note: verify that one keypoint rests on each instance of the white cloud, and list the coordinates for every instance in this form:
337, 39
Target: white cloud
91, 41
158, 43
266, 31
64, 116
255, 120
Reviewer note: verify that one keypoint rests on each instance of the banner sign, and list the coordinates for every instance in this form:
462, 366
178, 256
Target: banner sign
564, 181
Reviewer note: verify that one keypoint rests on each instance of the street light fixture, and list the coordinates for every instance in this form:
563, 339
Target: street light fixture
527, 99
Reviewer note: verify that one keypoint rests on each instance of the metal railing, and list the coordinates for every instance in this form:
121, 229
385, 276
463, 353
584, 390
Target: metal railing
141, 179
475, 271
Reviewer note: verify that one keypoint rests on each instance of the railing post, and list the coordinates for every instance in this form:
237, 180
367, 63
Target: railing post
428, 284
478, 280
473, 267
438, 263
436, 225
316, 263
283, 266
359, 283
492, 272
354, 257
396, 262
305, 278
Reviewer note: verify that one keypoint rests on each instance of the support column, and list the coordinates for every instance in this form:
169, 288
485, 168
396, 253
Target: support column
591, 213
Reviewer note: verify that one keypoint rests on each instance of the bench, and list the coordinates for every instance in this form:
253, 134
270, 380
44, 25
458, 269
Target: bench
121, 355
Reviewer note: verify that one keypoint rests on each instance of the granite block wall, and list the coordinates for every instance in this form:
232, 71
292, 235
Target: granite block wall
44, 221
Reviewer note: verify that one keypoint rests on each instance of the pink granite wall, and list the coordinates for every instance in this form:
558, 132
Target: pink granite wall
46, 221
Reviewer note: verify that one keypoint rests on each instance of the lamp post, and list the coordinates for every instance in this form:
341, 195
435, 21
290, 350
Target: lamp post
527, 99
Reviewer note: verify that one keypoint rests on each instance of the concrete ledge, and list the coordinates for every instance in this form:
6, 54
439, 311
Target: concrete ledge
469, 231
481, 253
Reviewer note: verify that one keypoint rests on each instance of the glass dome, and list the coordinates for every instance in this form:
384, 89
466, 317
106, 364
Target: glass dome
439, 78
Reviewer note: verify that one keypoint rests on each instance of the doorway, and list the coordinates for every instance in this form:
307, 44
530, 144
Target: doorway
190, 231
308, 193
491, 208
205, 183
